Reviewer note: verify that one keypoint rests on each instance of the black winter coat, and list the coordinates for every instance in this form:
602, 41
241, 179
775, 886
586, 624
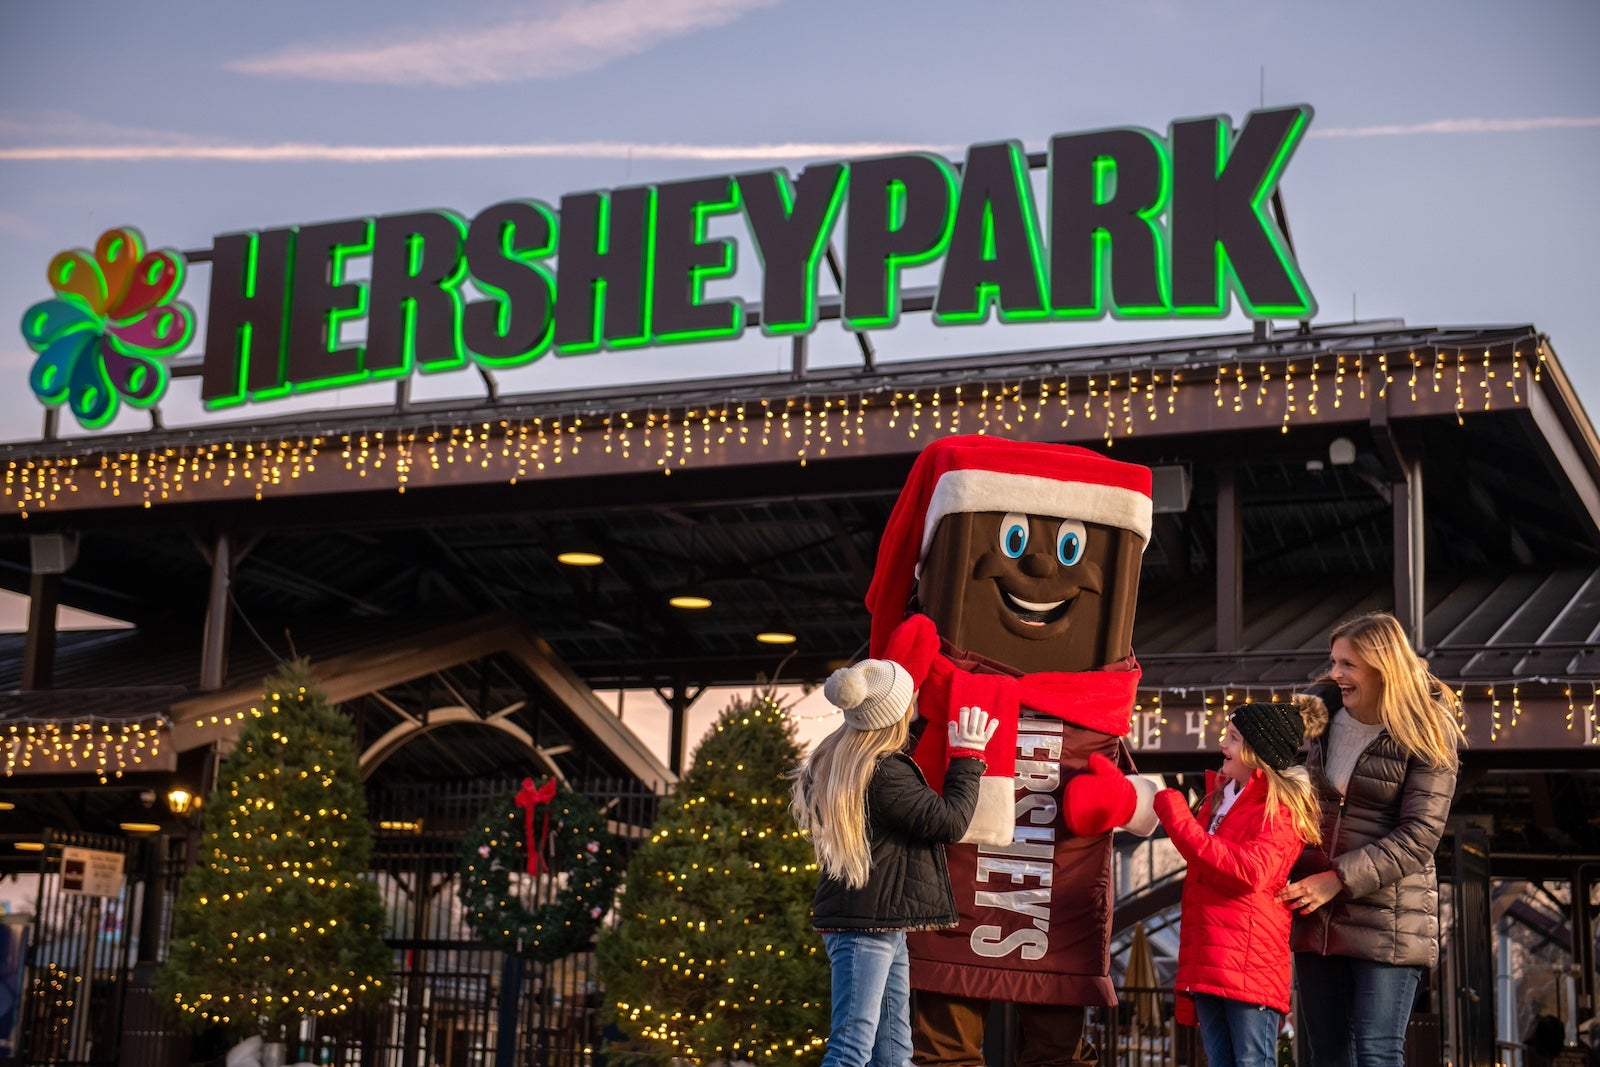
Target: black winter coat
908, 825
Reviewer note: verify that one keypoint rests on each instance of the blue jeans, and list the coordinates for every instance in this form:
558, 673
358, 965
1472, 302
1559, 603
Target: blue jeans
871, 1020
1237, 1034
1354, 1012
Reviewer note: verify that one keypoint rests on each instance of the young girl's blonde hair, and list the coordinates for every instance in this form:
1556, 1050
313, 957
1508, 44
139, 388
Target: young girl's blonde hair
1291, 788
830, 796
1418, 710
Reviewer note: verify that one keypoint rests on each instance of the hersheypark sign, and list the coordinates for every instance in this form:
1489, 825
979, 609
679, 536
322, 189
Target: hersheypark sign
1133, 225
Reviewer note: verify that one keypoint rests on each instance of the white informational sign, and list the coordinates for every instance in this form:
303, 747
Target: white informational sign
91, 871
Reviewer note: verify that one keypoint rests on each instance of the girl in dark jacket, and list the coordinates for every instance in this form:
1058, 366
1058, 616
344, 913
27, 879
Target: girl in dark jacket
1366, 901
1233, 949
879, 832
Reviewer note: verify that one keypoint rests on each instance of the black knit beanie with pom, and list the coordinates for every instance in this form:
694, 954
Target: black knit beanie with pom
1274, 732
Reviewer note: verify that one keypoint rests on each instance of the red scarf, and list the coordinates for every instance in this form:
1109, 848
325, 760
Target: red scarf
1100, 700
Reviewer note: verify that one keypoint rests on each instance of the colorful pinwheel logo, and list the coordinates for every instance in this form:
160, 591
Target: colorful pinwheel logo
105, 336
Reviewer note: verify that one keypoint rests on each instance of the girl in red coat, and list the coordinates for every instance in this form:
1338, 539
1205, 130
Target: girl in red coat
1233, 948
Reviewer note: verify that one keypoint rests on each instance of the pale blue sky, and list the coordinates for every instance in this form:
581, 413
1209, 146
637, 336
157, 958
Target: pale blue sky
1447, 179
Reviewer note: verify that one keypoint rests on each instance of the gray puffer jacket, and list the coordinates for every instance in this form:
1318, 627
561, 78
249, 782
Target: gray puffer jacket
1380, 836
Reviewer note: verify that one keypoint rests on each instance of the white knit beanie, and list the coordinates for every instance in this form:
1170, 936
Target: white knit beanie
872, 694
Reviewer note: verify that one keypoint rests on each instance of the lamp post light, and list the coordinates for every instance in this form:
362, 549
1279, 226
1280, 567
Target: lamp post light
181, 802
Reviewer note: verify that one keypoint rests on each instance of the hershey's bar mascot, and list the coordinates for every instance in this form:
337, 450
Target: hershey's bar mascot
1006, 579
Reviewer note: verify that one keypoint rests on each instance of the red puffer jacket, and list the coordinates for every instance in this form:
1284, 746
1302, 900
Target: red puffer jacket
1234, 940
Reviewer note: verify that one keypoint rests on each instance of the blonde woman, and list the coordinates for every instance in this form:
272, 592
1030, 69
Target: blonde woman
879, 832
1367, 900
1233, 946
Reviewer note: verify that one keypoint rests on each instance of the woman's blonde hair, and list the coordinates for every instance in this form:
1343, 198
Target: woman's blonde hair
1417, 709
1291, 788
830, 796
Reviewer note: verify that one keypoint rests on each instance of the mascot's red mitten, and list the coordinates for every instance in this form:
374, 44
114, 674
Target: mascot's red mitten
1099, 801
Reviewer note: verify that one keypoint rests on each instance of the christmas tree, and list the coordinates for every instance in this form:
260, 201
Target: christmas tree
714, 958
277, 919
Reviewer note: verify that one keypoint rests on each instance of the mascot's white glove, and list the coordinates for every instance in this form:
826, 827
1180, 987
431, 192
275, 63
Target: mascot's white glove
972, 729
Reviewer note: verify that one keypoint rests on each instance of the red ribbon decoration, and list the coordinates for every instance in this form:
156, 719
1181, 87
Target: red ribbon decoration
530, 797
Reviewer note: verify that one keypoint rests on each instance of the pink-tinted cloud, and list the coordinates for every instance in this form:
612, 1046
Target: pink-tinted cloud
1459, 126
569, 39
299, 152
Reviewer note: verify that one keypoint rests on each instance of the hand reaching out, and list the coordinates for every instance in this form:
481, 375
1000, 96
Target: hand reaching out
972, 728
1100, 799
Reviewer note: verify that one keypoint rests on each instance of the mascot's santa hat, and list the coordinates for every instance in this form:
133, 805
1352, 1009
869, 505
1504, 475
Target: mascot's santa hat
975, 473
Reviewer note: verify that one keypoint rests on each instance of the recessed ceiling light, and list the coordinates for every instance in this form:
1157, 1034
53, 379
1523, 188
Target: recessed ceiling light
577, 558
6, 805
140, 827
693, 603
28, 846
775, 637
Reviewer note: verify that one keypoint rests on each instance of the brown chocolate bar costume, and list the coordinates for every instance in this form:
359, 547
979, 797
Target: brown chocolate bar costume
1007, 578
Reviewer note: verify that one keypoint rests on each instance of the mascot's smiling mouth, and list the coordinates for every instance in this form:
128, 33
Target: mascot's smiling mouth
1033, 613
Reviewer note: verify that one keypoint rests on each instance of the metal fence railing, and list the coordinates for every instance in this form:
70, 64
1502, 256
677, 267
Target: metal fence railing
455, 1002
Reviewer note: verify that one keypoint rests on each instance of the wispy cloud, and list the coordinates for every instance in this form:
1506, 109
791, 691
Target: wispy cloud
19, 226
156, 146
1459, 126
60, 126
574, 38
328, 153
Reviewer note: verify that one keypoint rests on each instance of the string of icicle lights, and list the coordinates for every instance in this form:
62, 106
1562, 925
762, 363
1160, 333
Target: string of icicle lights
105, 747
110, 747
1109, 404
1501, 699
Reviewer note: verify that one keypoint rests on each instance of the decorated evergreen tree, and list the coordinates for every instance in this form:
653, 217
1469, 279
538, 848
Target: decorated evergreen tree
277, 919
714, 958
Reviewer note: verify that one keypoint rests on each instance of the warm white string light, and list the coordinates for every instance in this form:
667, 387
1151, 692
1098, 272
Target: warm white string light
1107, 404
106, 747
1504, 700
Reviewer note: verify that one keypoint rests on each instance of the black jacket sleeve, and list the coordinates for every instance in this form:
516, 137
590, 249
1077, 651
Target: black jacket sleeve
901, 801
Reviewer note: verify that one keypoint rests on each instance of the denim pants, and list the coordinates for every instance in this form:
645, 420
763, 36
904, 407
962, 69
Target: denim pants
1237, 1034
1354, 1012
871, 1021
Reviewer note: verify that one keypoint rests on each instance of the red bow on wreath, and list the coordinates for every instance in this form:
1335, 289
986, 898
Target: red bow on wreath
530, 797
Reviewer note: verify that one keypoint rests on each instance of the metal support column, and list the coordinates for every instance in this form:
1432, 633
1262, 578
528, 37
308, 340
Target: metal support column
1402, 462
679, 700
679, 729
39, 647
1583, 879
1409, 541
1230, 567
214, 644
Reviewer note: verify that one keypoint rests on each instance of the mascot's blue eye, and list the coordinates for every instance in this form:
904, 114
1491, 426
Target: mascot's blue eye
1070, 542
1014, 534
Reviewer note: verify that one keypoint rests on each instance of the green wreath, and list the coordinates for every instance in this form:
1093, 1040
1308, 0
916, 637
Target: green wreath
578, 854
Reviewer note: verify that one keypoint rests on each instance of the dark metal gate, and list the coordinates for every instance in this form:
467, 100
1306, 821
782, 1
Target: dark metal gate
81, 946
453, 1002
1473, 944
456, 1002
